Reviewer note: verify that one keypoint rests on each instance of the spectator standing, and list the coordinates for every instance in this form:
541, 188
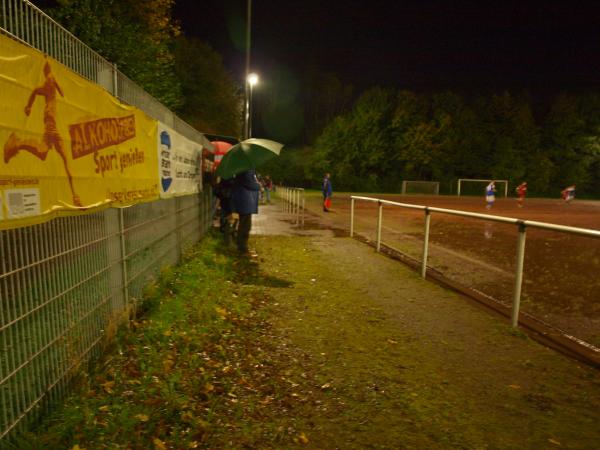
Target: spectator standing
224, 192
268, 187
327, 192
245, 194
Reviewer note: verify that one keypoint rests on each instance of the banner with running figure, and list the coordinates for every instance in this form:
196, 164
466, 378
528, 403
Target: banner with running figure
179, 163
67, 146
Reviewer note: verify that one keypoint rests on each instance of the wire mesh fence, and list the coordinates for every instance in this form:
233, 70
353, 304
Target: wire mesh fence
66, 283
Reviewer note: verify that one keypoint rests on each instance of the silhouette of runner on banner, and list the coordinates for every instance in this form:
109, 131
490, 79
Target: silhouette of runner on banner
52, 138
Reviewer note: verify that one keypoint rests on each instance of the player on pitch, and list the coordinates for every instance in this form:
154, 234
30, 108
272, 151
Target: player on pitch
521, 191
490, 194
568, 193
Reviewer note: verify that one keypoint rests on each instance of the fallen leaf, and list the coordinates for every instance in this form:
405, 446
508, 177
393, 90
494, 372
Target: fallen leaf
555, 442
77, 447
302, 438
326, 386
187, 417
108, 386
391, 341
222, 312
158, 444
514, 386
103, 408
168, 364
142, 417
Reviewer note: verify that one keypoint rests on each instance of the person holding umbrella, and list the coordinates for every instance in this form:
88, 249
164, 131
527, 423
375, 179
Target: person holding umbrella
246, 190
240, 162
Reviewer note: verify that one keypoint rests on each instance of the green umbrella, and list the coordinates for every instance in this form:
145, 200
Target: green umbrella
248, 154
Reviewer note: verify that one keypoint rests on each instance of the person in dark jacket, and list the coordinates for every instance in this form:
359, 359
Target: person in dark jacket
245, 202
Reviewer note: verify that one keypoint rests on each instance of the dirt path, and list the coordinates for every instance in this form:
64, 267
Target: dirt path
378, 358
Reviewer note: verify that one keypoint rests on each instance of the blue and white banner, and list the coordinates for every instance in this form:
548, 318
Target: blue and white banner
179, 163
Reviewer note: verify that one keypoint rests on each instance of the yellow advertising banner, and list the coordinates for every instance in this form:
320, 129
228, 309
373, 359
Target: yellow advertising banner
66, 145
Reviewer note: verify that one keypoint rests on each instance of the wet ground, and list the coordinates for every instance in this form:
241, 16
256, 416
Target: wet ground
561, 284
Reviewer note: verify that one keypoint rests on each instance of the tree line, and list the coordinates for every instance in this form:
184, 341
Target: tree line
369, 142
393, 135
145, 41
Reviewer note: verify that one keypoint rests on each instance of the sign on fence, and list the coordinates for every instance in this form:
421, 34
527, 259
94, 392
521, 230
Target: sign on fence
67, 145
179, 163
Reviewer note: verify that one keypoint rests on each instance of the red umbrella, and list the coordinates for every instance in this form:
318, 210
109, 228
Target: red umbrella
221, 148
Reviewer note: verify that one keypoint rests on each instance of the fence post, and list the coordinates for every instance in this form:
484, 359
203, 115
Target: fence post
519, 274
351, 216
425, 243
115, 83
178, 228
202, 212
123, 259
379, 220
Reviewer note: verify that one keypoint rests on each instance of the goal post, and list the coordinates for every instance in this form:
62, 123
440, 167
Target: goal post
463, 182
421, 187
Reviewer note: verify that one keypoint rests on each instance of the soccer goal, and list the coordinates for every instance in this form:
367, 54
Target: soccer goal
468, 186
421, 187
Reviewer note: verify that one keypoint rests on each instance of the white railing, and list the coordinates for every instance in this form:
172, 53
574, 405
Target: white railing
293, 202
521, 225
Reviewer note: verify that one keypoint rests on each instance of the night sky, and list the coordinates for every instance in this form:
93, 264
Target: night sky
483, 46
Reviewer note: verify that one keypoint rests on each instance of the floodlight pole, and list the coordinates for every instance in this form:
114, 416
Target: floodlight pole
249, 119
247, 88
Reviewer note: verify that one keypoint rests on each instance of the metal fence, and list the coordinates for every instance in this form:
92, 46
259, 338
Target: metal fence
23, 21
66, 283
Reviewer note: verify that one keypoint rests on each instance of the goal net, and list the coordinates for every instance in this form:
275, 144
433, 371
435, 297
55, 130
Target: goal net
421, 187
468, 186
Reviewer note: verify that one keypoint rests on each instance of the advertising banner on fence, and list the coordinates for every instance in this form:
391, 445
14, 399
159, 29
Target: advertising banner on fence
179, 163
66, 145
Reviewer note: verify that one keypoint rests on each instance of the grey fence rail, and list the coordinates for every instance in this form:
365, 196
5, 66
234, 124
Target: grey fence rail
66, 283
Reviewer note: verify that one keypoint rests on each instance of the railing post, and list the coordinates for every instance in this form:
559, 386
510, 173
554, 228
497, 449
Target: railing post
518, 274
303, 207
425, 243
351, 217
297, 201
379, 220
